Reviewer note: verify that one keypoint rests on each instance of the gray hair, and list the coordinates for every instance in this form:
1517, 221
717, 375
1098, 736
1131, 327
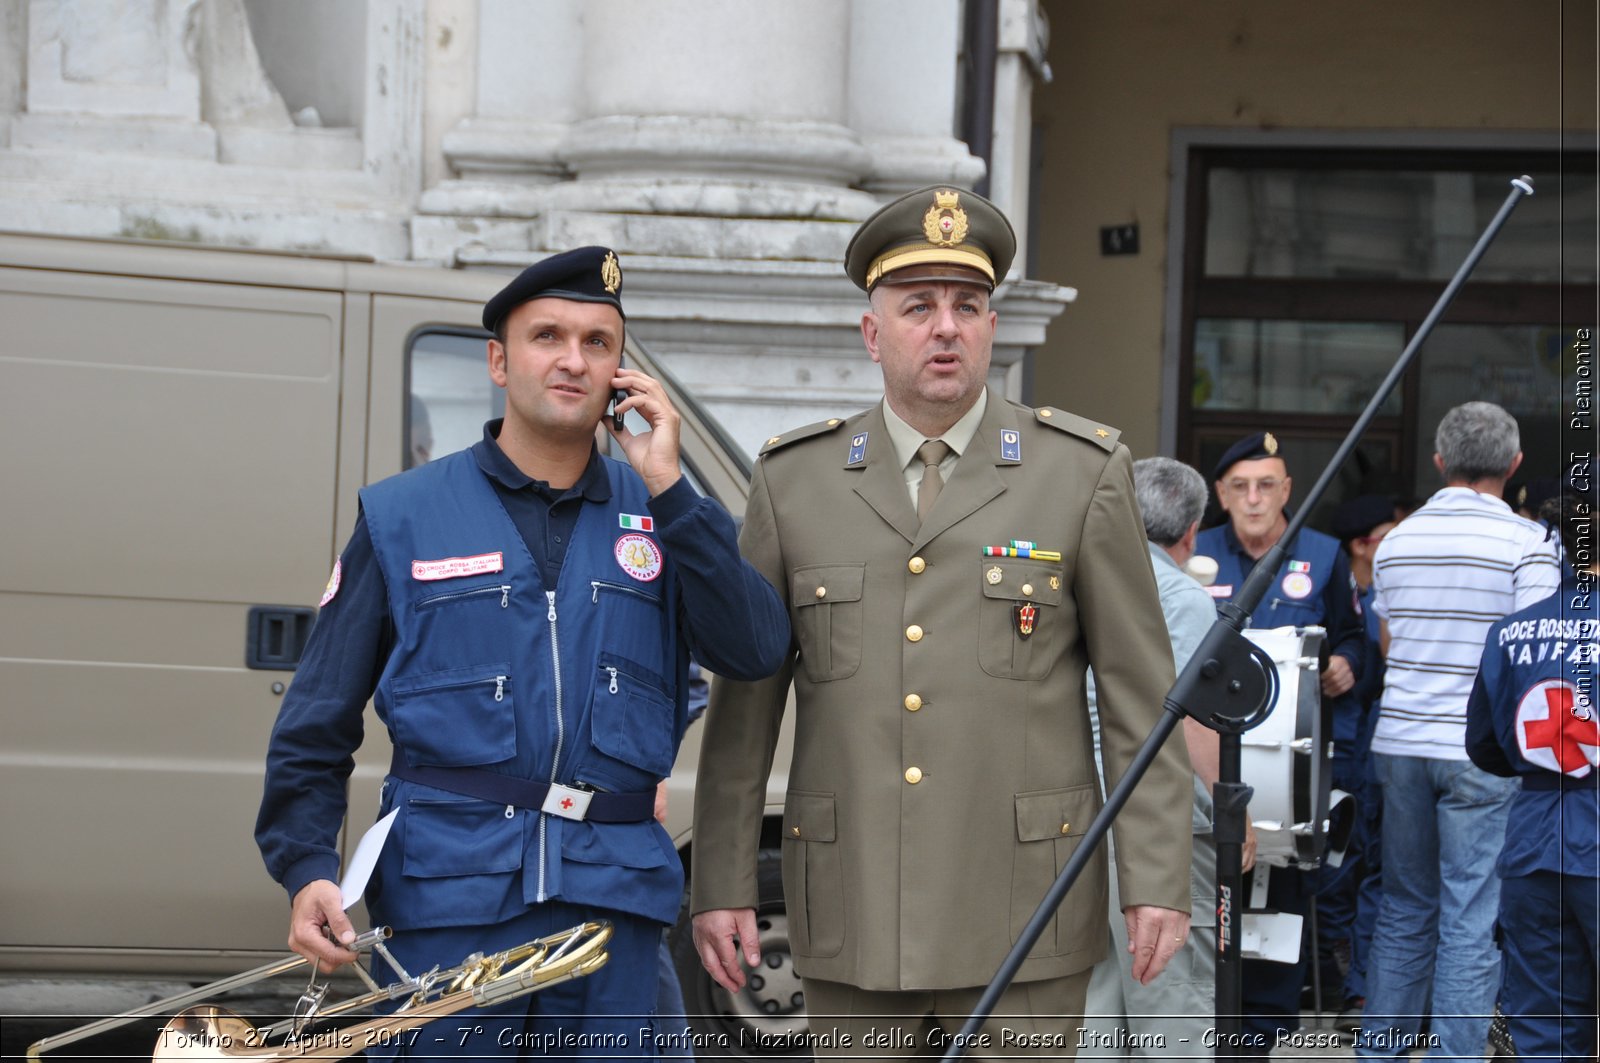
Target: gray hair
1171, 496
1476, 441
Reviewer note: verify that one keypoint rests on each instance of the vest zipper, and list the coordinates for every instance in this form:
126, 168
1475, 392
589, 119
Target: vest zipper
597, 584
561, 733
504, 589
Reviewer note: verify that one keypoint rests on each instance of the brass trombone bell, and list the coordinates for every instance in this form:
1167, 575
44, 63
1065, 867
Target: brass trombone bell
212, 1033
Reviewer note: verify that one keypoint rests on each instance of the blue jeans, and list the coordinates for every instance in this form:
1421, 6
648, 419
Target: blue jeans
1444, 823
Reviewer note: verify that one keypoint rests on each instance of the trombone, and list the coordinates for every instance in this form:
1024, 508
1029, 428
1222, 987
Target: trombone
210, 1032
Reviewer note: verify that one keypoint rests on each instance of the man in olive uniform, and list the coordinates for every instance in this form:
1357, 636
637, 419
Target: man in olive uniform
952, 562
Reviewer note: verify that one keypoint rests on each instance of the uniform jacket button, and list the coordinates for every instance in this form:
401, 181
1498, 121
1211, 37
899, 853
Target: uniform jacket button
916, 565
913, 775
913, 633
913, 702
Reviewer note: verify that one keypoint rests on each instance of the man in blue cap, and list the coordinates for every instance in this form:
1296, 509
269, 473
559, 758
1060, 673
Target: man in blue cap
521, 615
1312, 587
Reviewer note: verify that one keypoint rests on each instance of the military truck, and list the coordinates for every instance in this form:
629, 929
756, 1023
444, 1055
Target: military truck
186, 429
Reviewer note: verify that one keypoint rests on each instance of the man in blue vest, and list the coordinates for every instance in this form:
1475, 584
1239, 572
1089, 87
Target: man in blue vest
521, 615
1312, 587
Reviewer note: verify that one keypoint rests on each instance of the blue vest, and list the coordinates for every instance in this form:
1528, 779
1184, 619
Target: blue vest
578, 684
1296, 594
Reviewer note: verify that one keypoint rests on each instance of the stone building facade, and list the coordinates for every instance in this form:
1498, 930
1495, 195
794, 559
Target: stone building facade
726, 148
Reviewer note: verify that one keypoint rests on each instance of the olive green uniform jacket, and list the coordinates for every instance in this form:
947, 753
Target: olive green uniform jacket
943, 770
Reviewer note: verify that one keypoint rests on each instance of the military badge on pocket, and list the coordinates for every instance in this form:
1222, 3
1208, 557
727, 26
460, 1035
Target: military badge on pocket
1026, 616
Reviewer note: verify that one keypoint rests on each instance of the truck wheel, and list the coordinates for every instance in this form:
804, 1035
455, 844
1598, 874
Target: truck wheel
767, 1019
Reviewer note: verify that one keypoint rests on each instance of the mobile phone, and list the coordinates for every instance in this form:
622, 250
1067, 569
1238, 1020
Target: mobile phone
617, 395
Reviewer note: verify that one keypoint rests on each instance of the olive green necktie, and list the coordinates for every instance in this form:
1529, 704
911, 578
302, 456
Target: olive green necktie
930, 454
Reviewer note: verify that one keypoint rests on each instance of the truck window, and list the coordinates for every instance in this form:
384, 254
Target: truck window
450, 394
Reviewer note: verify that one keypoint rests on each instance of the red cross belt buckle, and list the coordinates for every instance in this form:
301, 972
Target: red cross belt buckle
566, 802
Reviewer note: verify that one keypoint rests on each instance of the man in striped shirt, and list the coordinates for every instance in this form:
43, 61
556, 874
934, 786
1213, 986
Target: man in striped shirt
1442, 577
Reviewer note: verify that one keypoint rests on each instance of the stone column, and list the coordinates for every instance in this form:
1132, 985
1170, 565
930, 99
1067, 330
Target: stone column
903, 92
727, 150
114, 75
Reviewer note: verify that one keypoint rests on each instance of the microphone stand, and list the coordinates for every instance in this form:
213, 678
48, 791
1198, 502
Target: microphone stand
1229, 685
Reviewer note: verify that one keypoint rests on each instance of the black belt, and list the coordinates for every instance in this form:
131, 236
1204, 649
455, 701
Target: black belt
501, 789
1548, 781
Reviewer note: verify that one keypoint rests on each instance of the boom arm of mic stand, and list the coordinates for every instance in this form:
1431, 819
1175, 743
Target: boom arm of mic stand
1227, 672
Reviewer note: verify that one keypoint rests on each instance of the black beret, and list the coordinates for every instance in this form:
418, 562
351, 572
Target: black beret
1250, 448
1534, 493
585, 275
948, 232
1356, 517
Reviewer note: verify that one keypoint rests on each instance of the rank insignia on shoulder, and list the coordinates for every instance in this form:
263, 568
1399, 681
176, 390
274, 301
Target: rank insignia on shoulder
796, 435
858, 449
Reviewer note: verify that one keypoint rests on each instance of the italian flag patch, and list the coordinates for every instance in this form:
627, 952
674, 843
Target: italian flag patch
633, 522
1299, 566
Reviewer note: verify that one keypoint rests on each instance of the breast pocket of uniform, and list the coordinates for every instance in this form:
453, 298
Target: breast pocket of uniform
827, 605
1020, 629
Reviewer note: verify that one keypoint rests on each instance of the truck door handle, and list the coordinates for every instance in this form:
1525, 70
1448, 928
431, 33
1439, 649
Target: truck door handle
275, 636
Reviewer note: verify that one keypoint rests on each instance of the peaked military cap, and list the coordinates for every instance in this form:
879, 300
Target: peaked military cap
934, 233
1250, 448
584, 275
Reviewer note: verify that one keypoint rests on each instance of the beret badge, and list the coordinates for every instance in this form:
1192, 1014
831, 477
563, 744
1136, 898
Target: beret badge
611, 273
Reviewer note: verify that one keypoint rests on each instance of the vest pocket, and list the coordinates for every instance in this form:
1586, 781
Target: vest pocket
813, 876
457, 717
632, 716
634, 621
827, 605
1020, 630
446, 838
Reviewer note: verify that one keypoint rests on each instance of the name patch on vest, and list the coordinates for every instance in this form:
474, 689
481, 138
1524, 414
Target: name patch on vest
456, 567
639, 557
1220, 590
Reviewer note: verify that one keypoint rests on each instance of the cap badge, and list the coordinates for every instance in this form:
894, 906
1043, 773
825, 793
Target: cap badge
945, 224
611, 274
1270, 444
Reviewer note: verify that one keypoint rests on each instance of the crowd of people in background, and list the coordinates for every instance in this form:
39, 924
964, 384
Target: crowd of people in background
1405, 927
